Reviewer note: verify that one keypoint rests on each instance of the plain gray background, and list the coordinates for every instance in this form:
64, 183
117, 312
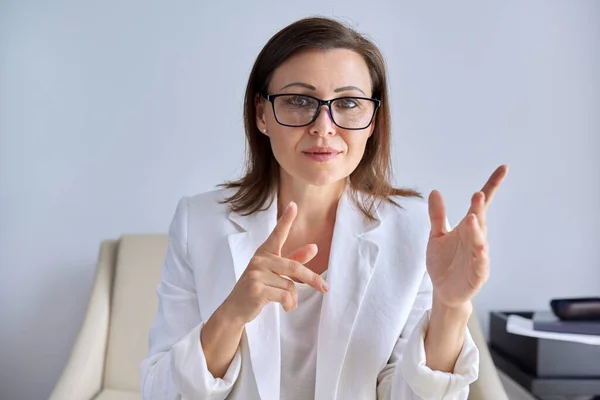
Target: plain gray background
111, 111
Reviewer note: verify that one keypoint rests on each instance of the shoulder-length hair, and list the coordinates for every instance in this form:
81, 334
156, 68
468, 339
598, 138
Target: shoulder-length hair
372, 177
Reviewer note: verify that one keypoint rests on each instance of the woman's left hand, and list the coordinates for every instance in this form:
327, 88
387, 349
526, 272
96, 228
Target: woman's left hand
458, 261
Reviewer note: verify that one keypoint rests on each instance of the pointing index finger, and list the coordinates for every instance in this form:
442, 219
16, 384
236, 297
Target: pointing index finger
280, 233
493, 183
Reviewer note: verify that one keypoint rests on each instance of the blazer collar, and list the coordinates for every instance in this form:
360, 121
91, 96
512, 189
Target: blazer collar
353, 219
262, 333
352, 260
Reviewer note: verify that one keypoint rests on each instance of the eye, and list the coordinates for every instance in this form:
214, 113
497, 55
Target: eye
348, 103
298, 101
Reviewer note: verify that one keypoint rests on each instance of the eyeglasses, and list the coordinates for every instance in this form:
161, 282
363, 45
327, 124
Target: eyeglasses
298, 110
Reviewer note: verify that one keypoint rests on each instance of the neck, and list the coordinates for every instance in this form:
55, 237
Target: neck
316, 204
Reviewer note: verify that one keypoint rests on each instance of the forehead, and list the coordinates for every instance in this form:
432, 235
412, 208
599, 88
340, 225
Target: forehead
326, 70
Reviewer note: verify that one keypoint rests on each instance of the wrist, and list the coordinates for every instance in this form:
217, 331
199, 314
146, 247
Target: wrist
219, 325
220, 339
445, 334
456, 315
225, 316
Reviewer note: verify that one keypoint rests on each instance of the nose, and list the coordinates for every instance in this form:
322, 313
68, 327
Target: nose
323, 125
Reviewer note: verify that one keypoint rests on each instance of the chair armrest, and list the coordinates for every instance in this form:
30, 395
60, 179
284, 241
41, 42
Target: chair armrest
82, 377
488, 386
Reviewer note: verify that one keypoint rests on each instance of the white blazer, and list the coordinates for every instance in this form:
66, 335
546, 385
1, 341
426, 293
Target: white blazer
372, 325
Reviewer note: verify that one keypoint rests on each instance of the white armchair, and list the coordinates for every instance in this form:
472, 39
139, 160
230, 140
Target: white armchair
113, 340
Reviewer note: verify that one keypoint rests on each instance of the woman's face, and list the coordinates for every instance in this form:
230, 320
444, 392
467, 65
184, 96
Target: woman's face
320, 153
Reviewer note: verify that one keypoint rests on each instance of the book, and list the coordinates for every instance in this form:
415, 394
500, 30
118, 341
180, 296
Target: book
546, 321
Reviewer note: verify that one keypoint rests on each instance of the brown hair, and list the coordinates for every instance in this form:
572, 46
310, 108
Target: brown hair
372, 176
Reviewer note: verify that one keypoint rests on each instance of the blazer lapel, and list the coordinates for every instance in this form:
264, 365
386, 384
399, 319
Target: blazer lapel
263, 332
352, 260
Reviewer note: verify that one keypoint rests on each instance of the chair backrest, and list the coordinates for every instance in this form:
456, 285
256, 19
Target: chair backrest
133, 307
488, 386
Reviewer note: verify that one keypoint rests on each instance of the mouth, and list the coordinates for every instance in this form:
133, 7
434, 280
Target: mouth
321, 150
321, 154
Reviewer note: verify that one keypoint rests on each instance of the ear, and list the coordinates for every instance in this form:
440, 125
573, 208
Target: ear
261, 121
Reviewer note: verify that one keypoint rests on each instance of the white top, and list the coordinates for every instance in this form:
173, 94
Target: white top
298, 333
372, 322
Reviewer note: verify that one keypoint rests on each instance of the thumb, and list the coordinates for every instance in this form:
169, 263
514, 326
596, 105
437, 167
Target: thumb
304, 254
437, 214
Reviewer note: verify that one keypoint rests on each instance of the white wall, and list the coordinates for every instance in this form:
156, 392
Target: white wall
111, 112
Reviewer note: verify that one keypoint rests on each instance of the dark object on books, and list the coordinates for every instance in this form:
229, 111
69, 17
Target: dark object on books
548, 322
544, 358
582, 308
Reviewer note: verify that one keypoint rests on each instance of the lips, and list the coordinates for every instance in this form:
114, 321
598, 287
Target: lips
321, 154
321, 150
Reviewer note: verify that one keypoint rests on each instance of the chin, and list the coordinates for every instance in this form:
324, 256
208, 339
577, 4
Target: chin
322, 179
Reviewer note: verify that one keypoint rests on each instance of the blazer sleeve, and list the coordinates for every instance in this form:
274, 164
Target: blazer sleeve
407, 377
175, 366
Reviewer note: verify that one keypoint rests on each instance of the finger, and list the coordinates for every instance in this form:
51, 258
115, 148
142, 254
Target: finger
304, 254
294, 269
479, 251
280, 282
493, 183
478, 208
277, 238
476, 239
277, 295
437, 214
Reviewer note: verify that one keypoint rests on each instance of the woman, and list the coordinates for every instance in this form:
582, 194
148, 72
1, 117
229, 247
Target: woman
311, 277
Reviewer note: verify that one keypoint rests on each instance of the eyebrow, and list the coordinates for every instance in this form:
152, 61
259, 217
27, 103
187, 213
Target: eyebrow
304, 85
311, 87
347, 88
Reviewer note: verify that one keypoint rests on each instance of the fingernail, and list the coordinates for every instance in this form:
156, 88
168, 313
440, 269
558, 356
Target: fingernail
325, 286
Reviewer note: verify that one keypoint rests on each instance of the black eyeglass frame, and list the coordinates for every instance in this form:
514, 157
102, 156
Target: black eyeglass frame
271, 98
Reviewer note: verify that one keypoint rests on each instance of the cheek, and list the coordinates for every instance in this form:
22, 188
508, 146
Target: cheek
283, 144
356, 144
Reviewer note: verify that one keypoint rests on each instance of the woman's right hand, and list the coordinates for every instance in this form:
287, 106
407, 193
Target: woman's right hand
263, 280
